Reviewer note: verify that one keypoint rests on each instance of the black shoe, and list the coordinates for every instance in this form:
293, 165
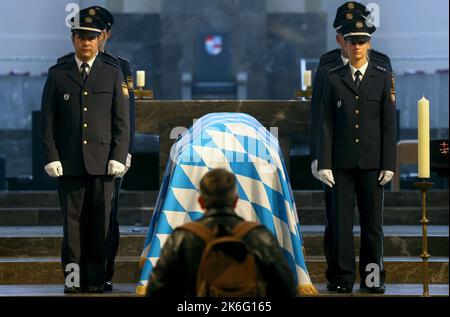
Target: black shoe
377, 289
332, 287
71, 290
108, 287
94, 289
374, 289
344, 288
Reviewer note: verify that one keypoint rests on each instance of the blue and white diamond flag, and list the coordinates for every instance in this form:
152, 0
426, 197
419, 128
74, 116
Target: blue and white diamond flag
238, 143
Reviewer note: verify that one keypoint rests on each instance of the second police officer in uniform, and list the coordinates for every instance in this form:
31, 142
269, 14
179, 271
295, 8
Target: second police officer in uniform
356, 156
114, 233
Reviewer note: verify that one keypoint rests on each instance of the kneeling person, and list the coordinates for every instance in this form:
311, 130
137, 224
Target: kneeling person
177, 270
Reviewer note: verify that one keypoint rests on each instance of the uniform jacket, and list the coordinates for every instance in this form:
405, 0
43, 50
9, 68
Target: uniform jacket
327, 62
358, 128
127, 74
85, 126
176, 272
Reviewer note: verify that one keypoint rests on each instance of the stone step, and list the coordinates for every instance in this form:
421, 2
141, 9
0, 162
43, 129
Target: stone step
391, 215
47, 270
141, 216
129, 290
45, 199
406, 198
303, 198
51, 216
46, 241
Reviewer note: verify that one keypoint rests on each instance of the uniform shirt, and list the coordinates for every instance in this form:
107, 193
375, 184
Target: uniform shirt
344, 60
362, 70
89, 62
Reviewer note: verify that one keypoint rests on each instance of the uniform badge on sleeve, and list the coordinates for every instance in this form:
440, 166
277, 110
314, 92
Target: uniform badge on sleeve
130, 83
125, 90
392, 90
66, 97
393, 96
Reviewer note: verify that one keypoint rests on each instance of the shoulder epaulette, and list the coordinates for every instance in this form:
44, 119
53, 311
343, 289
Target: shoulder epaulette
109, 59
123, 59
378, 55
380, 59
380, 68
108, 54
329, 57
336, 68
65, 58
113, 63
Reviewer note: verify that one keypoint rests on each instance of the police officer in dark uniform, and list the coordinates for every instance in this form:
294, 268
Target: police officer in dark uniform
107, 20
114, 233
346, 13
357, 155
86, 133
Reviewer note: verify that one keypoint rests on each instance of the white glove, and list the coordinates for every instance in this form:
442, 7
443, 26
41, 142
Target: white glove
127, 166
326, 176
314, 170
385, 177
115, 168
54, 169
128, 162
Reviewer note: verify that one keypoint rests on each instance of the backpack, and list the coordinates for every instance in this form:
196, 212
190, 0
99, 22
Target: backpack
227, 267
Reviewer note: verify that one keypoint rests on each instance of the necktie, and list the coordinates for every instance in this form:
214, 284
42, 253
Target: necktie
357, 79
84, 73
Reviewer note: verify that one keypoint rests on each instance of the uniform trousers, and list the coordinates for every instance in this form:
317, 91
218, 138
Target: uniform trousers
114, 232
86, 205
339, 246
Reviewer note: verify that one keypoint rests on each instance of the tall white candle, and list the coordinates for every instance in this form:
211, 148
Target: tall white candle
307, 78
140, 78
423, 137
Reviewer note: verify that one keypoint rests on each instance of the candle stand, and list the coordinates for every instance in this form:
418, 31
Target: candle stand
141, 93
424, 187
306, 94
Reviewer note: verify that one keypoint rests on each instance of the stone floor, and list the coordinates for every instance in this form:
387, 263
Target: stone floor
56, 231
126, 290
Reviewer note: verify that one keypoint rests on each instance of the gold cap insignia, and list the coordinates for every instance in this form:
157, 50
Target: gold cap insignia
92, 12
359, 25
349, 16
125, 90
351, 5
88, 19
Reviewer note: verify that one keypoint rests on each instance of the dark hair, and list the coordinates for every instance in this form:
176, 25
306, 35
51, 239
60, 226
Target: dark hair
218, 188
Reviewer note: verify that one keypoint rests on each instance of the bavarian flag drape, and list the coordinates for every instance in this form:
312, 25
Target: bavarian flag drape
240, 144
